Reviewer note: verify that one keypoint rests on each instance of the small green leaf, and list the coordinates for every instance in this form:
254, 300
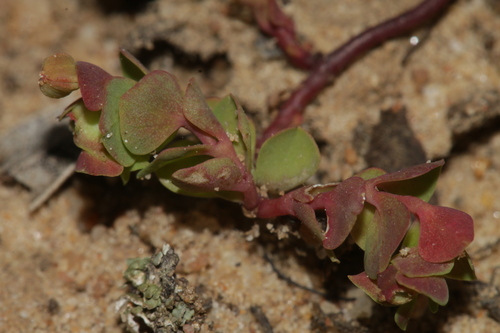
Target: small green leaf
171, 154
411, 310
199, 113
247, 132
418, 181
94, 159
131, 67
226, 112
286, 160
109, 123
364, 227
217, 174
412, 236
150, 112
463, 269
164, 174
370, 173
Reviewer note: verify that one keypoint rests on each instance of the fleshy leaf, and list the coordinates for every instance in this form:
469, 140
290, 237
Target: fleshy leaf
433, 287
364, 227
343, 204
246, 129
463, 269
96, 165
390, 224
409, 263
131, 67
393, 293
412, 235
422, 183
444, 232
150, 112
94, 159
199, 113
164, 174
217, 174
384, 289
226, 112
410, 310
310, 225
363, 282
370, 173
92, 80
109, 124
170, 154
286, 160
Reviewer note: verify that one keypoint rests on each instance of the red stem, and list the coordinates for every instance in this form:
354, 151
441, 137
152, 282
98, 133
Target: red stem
291, 111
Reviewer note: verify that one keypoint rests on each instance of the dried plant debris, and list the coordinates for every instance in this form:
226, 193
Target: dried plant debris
39, 154
158, 299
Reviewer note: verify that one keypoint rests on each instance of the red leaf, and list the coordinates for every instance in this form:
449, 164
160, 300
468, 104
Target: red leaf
92, 80
444, 232
412, 265
433, 287
390, 224
92, 165
342, 204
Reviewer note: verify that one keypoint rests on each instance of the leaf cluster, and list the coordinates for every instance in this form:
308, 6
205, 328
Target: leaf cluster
143, 123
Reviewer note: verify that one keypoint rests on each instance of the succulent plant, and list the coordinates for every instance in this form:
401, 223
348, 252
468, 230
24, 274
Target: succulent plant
128, 125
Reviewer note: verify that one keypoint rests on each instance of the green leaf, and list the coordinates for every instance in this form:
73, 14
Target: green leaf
411, 310
247, 132
412, 235
418, 181
286, 160
226, 112
217, 174
165, 173
131, 67
463, 269
150, 112
370, 173
109, 123
171, 154
199, 113
94, 159
364, 227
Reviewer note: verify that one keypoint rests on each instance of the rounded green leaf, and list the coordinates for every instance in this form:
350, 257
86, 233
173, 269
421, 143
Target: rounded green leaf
109, 123
131, 67
150, 112
286, 160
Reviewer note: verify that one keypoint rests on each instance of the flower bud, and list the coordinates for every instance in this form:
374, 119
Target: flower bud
58, 77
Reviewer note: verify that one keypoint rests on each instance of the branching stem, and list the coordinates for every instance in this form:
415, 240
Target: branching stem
291, 111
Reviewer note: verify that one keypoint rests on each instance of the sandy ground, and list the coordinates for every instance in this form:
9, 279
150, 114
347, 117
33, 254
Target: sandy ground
61, 266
